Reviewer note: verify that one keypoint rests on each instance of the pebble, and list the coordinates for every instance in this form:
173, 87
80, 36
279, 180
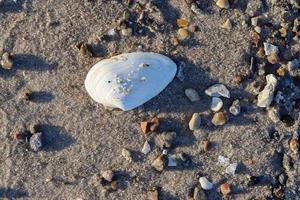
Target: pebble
235, 108
270, 49
219, 119
254, 21
126, 32
172, 162
218, 90
183, 33
227, 25
223, 4
230, 169
257, 29
205, 184
127, 155
294, 145
182, 22
108, 175
199, 194
195, 122
265, 97
280, 71
165, 139
153, 195
146, 148
159, 163
6, 61
145, 127
225, 189
36, 141
204, 145
192, 94
154, 124
273, 114
273, 58
216, 104
282, 178
85, 49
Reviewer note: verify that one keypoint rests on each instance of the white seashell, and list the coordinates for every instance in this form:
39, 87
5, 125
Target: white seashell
146, 148
129, 80
218, 90
205, 184
265, 97
216, 104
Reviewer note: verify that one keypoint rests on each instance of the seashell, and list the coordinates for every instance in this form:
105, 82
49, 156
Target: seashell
129, 80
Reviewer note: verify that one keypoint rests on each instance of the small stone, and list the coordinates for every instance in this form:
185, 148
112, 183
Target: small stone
145, 127
192, 94
216, 104
294, 145
257, 29
238, 78
153, 195
6, 61
36, 142
273, 114
282, 178
287, 162
126, 32
195, 122
165, 139
85, 49
227, 25
183, 33
254, 21
205, 184
127, 155
230, 169
283, 32
280, 71
265, 97
172, 162
273, 58
219, 119
225, 189
218, 90
33, 128
223, 4
159, 163
199, 194
114, 185
204, 145
182, 23
146, 148
260, 53
154, 123
270, 49
235, 108
108, 175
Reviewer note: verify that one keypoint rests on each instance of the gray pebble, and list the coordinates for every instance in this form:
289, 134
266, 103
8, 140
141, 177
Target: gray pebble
195, 122
108, 175
235, 108
192, 94
127, 155
36, 142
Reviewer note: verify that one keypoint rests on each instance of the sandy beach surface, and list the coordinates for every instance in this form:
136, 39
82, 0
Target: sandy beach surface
81, 138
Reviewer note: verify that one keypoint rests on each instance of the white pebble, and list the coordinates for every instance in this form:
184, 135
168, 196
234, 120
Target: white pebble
216, 104
146, 148
218, 90
205, 184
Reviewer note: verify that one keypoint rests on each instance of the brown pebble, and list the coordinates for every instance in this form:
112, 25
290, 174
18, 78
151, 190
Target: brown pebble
219, 119
225, 189
204, 144
238, 78
183, 33
273, 58
294, 145
84, 49
260, 53
145, 127
114, 185
154, 124
18, 136
153, 195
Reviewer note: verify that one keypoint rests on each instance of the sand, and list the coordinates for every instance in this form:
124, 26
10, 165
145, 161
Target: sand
81, 138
